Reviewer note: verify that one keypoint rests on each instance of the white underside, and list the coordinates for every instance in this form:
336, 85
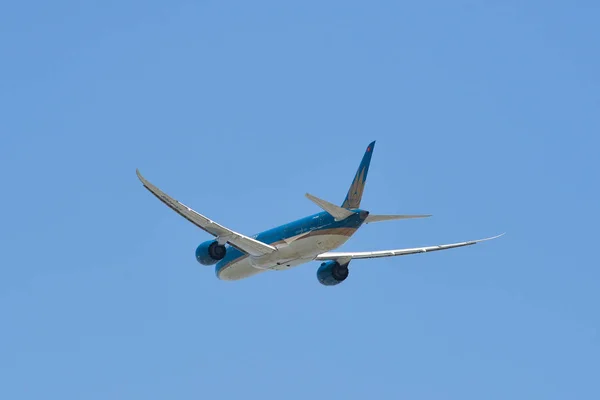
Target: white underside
288, 255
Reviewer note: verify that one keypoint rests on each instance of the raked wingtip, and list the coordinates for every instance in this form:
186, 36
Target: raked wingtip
495, 237
139, 175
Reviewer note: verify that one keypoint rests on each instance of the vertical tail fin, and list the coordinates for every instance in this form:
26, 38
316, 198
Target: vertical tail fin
355, 192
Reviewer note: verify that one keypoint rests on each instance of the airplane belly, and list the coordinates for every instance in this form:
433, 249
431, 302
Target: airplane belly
238, 270
288, 255
306, 249
330, 242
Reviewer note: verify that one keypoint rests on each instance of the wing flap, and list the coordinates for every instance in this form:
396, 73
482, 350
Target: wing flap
244, 243
396, 252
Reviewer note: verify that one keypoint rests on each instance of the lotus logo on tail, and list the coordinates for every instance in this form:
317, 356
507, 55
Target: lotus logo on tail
356, 191
357, 187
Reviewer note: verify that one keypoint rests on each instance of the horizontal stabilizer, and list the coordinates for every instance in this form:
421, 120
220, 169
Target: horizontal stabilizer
377, 218
337, 212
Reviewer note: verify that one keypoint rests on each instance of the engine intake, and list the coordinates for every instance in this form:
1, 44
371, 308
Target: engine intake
210, 252
332, 273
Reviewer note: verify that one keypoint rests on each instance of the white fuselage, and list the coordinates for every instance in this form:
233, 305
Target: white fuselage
294, 252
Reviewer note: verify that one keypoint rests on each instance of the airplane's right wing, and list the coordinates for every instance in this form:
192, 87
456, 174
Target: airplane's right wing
347, 256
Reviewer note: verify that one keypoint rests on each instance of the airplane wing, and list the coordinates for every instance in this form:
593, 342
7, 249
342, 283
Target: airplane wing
223, 234
347, 256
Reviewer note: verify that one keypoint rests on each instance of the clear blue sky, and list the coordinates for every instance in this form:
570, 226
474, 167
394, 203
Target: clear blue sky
485, 115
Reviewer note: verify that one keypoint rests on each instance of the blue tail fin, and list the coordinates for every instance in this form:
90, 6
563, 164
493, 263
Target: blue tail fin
355, 192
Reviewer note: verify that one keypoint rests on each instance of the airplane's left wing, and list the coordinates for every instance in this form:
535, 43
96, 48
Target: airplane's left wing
224, 235
347, 256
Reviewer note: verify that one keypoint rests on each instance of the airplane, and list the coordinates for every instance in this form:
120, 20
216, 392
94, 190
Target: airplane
312, 238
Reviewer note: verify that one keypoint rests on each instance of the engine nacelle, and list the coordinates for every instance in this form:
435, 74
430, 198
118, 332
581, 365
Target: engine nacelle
210, 252
331, 273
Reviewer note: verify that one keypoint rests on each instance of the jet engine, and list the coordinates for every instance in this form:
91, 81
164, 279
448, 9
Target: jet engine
331, 273
210, 252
